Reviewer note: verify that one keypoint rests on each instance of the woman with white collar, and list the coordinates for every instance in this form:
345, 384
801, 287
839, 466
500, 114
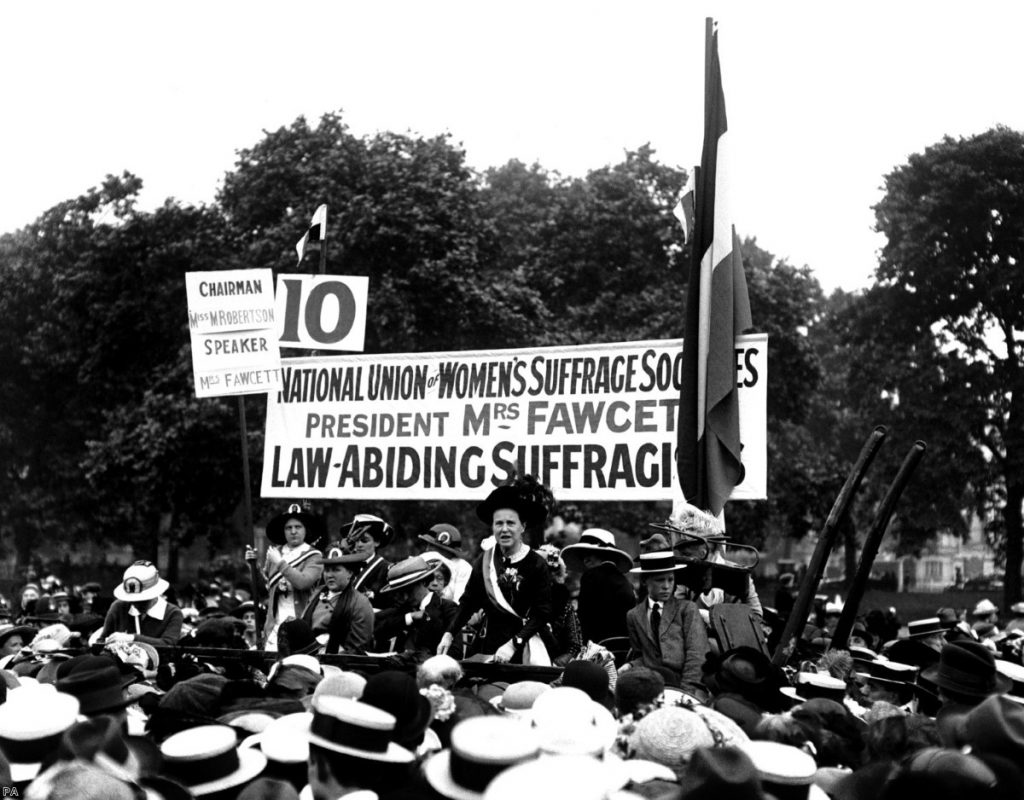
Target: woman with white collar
140, 613
292, 567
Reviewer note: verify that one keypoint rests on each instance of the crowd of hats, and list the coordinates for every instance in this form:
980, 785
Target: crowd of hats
764, 734
122, 723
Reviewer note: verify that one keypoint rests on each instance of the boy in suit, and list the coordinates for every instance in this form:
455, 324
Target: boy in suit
418, 617
666, 632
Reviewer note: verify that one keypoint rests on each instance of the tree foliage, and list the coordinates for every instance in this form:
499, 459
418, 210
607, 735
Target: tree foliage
102, 436
948, 303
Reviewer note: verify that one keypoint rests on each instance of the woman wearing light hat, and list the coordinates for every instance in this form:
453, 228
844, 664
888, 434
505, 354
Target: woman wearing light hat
140, 613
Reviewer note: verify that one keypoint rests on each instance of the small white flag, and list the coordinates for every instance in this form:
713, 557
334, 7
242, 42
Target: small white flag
312, 240
684, 208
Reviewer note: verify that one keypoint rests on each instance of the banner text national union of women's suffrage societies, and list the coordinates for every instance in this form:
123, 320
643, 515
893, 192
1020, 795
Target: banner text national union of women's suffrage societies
594, 422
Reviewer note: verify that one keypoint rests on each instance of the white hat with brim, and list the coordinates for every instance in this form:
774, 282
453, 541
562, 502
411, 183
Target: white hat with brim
575, 777
482, 748
284, 739
206, 759
356, 729
598, 542
660, 562
784, 765
141, 581
567, 722
32, 721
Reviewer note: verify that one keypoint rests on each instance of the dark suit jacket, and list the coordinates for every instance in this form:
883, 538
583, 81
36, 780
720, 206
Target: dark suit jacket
606, 596
423, 635
682, 636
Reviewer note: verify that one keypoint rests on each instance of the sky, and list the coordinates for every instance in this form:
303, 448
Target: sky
823, 99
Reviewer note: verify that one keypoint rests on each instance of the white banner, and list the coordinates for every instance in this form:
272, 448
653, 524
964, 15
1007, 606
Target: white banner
231, 325
593, 422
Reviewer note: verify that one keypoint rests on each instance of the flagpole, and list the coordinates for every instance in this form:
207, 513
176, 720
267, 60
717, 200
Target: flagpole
248, 517
323, 245
709, 29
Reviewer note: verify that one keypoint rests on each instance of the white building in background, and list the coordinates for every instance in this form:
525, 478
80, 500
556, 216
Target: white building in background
947, 561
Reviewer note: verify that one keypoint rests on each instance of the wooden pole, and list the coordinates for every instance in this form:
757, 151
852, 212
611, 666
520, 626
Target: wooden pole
872, 543
243, 434
323, 245
829, 533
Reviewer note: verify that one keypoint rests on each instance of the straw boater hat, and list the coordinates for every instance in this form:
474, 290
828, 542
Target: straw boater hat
409, 572
519, 697
32, 722
283, 740
658, 562
481, 749
445, 538
356, 729
785, 771
207, 759
901, 678
598, 542
381, 532
530, 511
314, 525
926, 627
576, 777
819, 684
141, 581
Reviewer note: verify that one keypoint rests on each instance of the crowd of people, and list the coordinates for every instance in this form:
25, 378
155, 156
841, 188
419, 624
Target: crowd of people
646, 677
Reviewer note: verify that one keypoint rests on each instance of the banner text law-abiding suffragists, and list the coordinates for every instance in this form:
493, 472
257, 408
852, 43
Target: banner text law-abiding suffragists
587, 420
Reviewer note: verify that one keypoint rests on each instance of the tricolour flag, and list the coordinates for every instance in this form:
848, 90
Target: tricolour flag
313, 240
717, 310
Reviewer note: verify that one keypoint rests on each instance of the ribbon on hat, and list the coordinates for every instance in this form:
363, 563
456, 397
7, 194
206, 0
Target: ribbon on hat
193, 772
347, 734
29, 751
473, 775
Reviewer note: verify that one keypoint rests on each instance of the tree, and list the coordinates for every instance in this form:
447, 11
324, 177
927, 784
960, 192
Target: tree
950, 279
404, 211
105, 437
603, 251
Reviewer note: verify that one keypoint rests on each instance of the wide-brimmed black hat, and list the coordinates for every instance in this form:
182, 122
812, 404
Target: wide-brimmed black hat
99, 691
717, 772
314, 525
749, 673
967, 668
381, 532
443, 537
530, 511
26, 632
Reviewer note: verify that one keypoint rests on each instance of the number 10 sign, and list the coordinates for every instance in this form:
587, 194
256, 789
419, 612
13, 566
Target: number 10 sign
322, 312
